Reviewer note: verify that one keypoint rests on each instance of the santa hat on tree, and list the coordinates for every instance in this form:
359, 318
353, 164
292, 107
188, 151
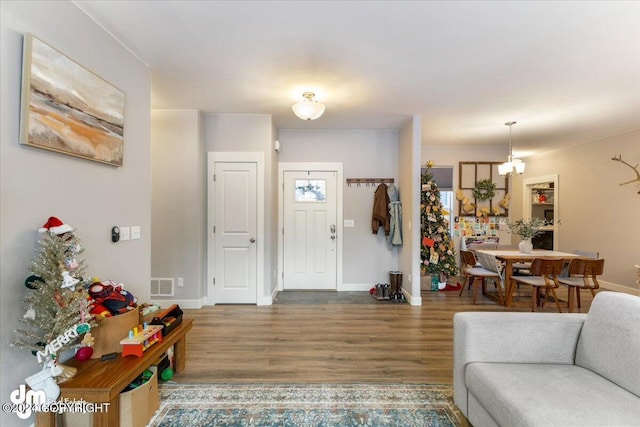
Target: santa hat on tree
55, 226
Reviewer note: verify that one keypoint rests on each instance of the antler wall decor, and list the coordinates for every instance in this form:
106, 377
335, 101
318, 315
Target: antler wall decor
635, 168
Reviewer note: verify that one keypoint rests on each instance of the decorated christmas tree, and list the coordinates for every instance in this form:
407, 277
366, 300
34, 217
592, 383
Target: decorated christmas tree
437, 250
57, 311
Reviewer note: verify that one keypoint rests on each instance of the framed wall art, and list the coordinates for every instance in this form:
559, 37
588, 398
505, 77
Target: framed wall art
482, 191
67, 108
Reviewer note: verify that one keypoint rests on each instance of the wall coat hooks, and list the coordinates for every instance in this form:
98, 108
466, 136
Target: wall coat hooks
369, 181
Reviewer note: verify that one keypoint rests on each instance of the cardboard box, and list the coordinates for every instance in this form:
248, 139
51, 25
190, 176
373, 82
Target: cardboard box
111, 330
137, 406
147, 318
425, 283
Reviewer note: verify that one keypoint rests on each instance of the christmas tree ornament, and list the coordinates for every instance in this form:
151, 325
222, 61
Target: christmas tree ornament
55, 226
70, 264
75, 248
60, 373
43, 381
66, 373
33, 282
84, 353
68, 281
59, 299
30, 314
88, 340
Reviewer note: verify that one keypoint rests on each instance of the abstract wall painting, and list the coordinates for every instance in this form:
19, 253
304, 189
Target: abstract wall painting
67, 108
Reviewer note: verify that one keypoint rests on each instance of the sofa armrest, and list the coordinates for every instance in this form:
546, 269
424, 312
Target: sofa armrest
511, 338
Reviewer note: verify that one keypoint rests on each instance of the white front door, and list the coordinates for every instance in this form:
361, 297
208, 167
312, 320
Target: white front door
310, 230
235, 228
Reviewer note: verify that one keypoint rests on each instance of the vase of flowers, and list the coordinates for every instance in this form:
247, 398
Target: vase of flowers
526, 229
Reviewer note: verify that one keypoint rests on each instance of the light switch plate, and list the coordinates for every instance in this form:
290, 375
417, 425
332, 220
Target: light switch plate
135, 232
349, 223
125, 233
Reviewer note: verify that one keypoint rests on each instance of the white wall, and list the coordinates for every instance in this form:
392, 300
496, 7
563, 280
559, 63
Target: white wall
249, 133
36, 184
178, 201
409, 161
364, 154
596, 213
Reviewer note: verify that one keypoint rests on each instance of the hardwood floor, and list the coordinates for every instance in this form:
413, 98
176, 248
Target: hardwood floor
335, 343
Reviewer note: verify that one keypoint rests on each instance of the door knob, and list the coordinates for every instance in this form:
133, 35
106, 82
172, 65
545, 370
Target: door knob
333, 237
252, 240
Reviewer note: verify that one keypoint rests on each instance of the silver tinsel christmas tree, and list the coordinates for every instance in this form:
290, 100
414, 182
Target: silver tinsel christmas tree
57, 301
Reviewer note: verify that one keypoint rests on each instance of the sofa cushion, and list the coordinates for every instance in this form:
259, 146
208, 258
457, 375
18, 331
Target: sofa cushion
609, 343
550, 395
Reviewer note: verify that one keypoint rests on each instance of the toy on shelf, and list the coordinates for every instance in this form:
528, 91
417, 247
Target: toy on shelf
170, 318
140, 339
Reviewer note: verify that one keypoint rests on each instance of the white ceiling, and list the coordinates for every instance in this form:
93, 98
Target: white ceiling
567, 72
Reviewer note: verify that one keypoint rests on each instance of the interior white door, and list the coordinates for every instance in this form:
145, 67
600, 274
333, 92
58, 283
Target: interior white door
310, 230
235, 226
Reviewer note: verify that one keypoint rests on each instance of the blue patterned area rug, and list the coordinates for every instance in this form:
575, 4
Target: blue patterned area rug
306, 405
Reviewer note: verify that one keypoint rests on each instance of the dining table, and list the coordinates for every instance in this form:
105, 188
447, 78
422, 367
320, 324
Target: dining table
513, 256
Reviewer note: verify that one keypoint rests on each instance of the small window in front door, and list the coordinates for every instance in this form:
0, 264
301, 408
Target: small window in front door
310, 190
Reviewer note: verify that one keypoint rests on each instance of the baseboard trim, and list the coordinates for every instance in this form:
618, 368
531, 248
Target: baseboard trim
618, 288
411, 299
268, 300
183, 303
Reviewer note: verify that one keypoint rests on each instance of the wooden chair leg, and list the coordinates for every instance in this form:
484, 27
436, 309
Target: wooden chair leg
502, 300
555, 297
475, 290
578, 298
546, 297
462, 287
569, 299
534, 298
510, 287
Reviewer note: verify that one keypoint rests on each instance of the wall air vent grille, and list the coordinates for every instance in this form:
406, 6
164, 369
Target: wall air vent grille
162, 287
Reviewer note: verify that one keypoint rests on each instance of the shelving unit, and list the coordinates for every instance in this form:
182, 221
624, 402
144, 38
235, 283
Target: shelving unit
541, 201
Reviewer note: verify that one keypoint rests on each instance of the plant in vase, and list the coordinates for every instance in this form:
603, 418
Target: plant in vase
526, 229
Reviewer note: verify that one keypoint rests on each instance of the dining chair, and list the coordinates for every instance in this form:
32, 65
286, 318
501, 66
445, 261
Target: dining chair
474, 273
587, 254
544, 275
583, 274
491, 264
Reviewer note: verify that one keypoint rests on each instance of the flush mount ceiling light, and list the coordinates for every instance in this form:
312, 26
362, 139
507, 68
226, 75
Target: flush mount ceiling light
308, 109
511, 165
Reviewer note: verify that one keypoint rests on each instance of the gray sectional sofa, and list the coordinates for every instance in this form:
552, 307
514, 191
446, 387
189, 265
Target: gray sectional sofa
550, 369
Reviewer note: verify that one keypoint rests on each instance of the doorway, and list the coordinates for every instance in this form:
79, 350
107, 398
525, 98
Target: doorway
310, 237
541, 198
